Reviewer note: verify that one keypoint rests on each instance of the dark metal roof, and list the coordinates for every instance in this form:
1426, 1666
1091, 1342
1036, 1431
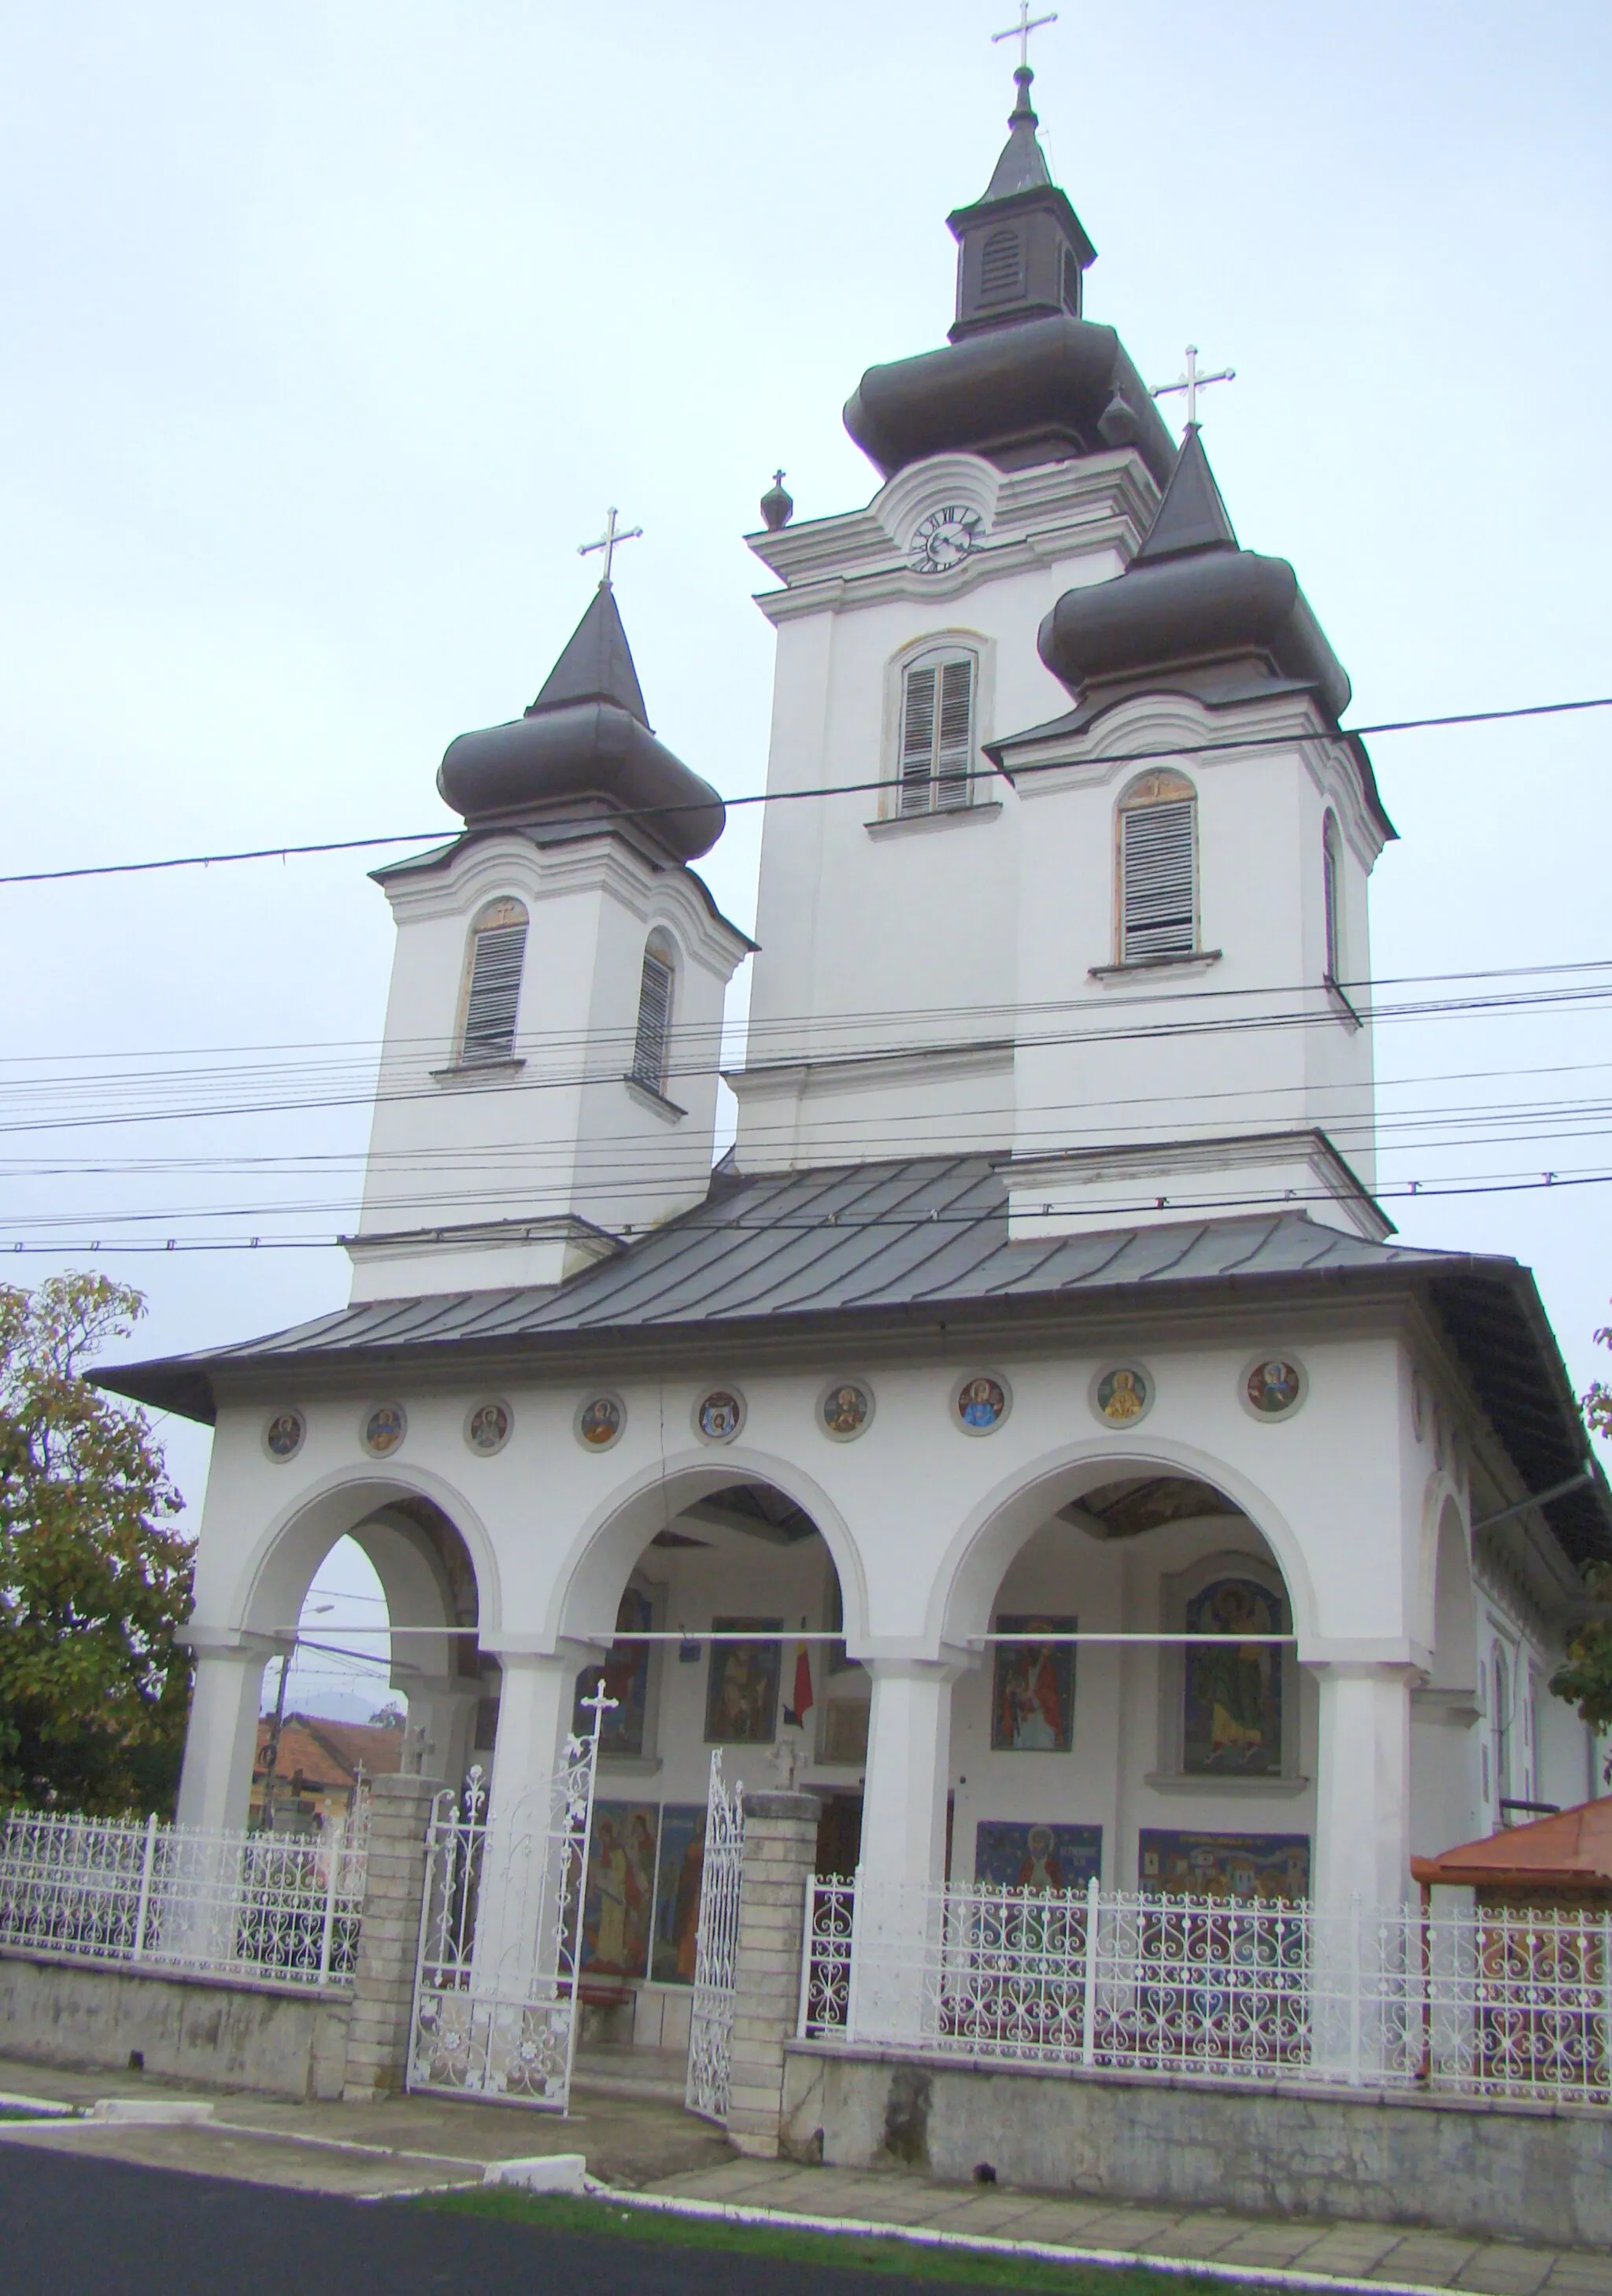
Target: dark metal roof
889, 1243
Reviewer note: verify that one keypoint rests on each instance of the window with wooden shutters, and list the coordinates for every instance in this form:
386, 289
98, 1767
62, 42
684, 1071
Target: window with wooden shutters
1157, 869
652, 1043
938, 735
497, 946
1331, 889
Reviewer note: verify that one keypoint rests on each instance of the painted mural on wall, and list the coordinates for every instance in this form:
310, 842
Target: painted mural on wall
741, 1689
1032, 1688
1232, 1690
626, 1680
618, 1888
1012, 1854
677, 1893
1263, 1866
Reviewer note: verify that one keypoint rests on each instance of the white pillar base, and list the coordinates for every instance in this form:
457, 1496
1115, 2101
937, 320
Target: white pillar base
221, 1741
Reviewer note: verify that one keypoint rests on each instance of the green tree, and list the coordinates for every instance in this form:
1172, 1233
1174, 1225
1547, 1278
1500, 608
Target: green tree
95, 1579
1586, 1678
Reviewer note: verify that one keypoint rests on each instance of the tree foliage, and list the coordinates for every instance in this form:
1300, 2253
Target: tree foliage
95, 1579
1585, 1679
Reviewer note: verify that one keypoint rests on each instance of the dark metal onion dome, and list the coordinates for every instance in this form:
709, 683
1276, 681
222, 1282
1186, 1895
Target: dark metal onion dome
1193, 611
1024, 378
777, 507
582, 756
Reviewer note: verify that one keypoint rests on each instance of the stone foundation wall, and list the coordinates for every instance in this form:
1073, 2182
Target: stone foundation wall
277, 2041
1518, 2171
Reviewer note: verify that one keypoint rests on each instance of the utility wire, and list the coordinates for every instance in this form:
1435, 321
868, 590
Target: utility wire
447, 835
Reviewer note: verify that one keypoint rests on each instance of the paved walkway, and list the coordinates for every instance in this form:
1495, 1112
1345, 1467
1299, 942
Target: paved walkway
637, 2138
1353, 2251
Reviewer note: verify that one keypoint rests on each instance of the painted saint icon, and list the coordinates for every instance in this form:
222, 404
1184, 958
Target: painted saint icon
283, 1436
619, 1890
1122, 1395
627, 1679
720, 1414
1274, 1387
677, 1893
489, 1428
982, 1403
742, 1690
384, 1429
845, 1409
1032, 1688
1232, 1711
1010, 1855
600, 1421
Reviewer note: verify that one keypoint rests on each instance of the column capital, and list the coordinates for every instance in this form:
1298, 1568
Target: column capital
235, 1646
943, 1666
516, 1653
1394, 1662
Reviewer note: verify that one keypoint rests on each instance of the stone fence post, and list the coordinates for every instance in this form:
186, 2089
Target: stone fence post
780, 1856
389, 1938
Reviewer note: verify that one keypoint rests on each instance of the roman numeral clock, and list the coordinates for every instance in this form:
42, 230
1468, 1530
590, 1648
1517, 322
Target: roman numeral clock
946, 537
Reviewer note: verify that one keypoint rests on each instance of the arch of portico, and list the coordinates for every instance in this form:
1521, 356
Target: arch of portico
440, 1580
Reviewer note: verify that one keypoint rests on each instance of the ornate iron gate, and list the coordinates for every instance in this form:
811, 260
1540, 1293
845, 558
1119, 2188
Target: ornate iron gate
715, 1949
499, 1936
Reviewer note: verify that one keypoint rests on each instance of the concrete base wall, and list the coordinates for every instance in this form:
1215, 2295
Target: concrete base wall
277, 2041
1519, 2171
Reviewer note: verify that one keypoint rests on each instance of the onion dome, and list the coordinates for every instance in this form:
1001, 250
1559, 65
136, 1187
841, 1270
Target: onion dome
1024, 378
1191, 611
584, 757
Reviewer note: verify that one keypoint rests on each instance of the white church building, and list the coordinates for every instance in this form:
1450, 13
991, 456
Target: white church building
1031, 1424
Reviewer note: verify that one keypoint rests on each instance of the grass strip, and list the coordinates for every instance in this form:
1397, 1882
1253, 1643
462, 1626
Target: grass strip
860, 2252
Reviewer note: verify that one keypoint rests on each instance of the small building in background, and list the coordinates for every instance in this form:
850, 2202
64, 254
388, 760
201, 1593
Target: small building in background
318, 1768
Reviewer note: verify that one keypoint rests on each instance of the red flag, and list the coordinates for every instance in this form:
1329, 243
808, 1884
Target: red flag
802, 1704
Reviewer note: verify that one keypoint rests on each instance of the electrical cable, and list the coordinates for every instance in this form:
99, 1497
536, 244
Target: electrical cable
447, 834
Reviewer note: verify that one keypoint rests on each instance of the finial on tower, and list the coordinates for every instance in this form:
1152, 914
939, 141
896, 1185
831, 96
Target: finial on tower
608, 542
777, 507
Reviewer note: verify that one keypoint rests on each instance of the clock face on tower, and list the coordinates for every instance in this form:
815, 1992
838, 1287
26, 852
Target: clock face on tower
945, 538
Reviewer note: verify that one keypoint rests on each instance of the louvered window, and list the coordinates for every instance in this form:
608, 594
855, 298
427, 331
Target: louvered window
1331, 890
495, 990
938, 735
1001, 267
652, 1042
1158, 887
1071, 283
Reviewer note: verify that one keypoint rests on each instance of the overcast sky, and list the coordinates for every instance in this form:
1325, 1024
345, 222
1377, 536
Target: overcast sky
332, 329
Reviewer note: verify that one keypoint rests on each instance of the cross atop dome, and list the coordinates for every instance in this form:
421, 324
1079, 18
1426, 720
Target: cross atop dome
610, 542
1021, 32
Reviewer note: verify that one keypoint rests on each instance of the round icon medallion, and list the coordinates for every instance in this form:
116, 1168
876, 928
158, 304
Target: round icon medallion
384, 1429
600, 1420
486, 1428
719, 1415
283, 1436
1122, 1395
844, 1409
981, 1402
1274, 1386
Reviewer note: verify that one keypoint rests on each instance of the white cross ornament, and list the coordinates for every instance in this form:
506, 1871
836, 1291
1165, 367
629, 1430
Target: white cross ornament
1192, 382
1022, 29
609, 541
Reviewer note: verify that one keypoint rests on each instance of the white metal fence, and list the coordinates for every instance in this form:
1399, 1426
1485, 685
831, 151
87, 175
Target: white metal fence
715, 1949
1481, 2003
280, 1908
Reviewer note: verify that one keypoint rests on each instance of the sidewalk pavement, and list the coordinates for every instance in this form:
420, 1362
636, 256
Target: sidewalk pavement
637, 2137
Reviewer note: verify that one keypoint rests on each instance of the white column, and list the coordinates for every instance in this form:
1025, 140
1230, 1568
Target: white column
904, 1807
221, 1738
535, 1708
1363, 1787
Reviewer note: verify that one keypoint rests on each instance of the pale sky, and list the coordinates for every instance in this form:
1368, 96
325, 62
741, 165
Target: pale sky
332, 331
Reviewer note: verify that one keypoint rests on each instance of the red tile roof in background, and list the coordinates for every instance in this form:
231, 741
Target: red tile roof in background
327, 1754
1572, 1849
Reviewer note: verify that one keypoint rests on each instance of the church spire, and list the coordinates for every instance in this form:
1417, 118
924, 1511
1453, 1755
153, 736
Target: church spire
1023, 165
1021, 249
1192, 515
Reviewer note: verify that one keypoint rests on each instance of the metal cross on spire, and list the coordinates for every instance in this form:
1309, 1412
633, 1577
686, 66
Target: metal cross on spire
1192, 382
1022, 29
608, 542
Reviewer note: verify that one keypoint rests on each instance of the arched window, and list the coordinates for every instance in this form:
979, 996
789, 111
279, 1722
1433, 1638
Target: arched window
1331, 887
936, 767
1001, 267
652, 1044
1071, 282
497, 946
1157, 868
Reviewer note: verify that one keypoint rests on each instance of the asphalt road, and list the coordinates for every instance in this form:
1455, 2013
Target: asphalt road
70, 2227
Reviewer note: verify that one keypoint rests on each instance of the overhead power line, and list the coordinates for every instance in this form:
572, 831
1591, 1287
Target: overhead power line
446, 832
